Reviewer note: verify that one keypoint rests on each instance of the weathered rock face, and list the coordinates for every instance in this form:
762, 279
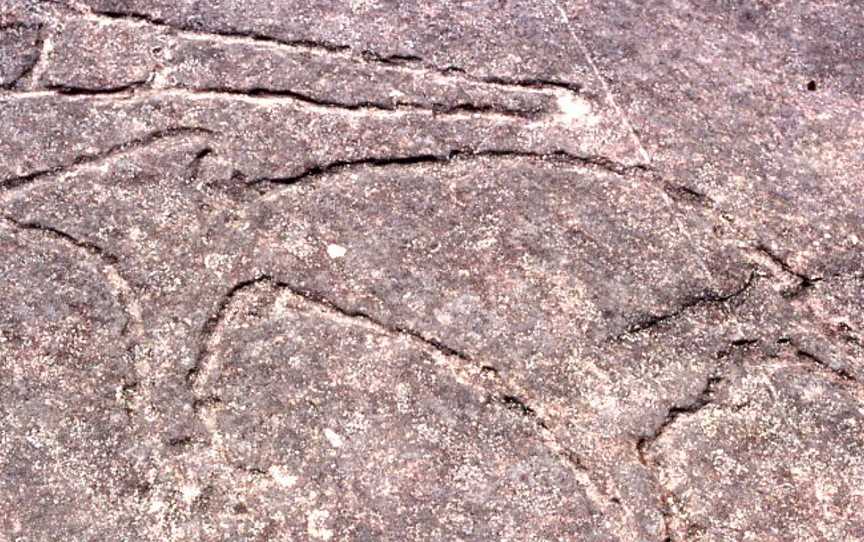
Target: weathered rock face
773, 424
374, 436
69, 443
754, 106
389, 271
19, 42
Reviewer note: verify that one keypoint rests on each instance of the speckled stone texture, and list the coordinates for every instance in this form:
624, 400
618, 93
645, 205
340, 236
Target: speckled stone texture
530, 270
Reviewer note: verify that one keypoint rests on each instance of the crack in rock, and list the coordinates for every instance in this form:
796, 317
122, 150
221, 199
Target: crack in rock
703, 399
71, 90
311, 45
107, 257
125, 294
111, 152
459, 109
214, 322
408, 63
464, 371
813, 358
124, 291
805, 281
707, 298
644, 443
337, 166
262, 94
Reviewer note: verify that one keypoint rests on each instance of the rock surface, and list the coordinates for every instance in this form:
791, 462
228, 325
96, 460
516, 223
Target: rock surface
369, 270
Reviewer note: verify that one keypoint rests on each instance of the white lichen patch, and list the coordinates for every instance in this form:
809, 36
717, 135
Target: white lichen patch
575, 110
333, 438
336, 251
189, 493
315, 526
281, 476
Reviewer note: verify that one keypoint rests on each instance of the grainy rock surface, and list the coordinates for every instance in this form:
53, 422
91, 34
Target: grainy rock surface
373, 270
